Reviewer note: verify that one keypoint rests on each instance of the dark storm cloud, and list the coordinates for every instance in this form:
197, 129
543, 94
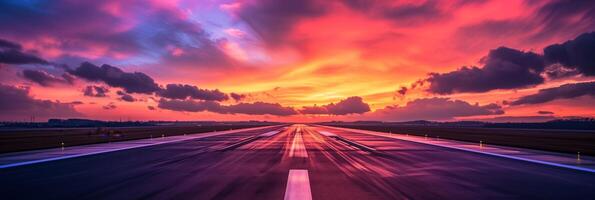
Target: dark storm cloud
126, 97
256, 108
237, 97
11, 53
183, 91
17, 57
351, 105
272, 19
135, 82
577, 54
566, 91
504, 68
5, 44
16, 103
138, 82
45, 79
436, 109
95, 91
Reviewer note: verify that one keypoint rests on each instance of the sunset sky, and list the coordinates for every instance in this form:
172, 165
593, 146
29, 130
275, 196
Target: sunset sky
297, 60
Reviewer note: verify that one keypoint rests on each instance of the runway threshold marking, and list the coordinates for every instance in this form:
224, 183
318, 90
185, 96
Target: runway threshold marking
583, 169
298, 185
297, 146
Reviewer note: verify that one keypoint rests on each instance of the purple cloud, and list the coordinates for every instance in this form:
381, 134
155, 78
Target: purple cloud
260, 108
143, 30
95, 91
183, 91
504, 68
109, 106
45, 79
135, 82
5, 44
256, 108
189, 105
11, 53
408, 13
351, 105
566, 91
272, 19
126, 97
554, 17
574, 54
436, 109
237, 97
15, 103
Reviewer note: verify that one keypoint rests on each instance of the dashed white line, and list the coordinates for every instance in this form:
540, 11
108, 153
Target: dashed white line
298, 185
297, 147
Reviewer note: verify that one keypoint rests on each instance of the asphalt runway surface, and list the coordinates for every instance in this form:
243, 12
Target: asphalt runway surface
297, 162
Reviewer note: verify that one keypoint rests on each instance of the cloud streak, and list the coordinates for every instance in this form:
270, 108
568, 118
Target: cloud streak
566, 91
256, 108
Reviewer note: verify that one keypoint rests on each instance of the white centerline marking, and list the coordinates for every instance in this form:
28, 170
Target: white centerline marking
297, 147
298, 185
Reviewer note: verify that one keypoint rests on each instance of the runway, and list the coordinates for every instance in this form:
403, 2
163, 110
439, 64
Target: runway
295, 162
